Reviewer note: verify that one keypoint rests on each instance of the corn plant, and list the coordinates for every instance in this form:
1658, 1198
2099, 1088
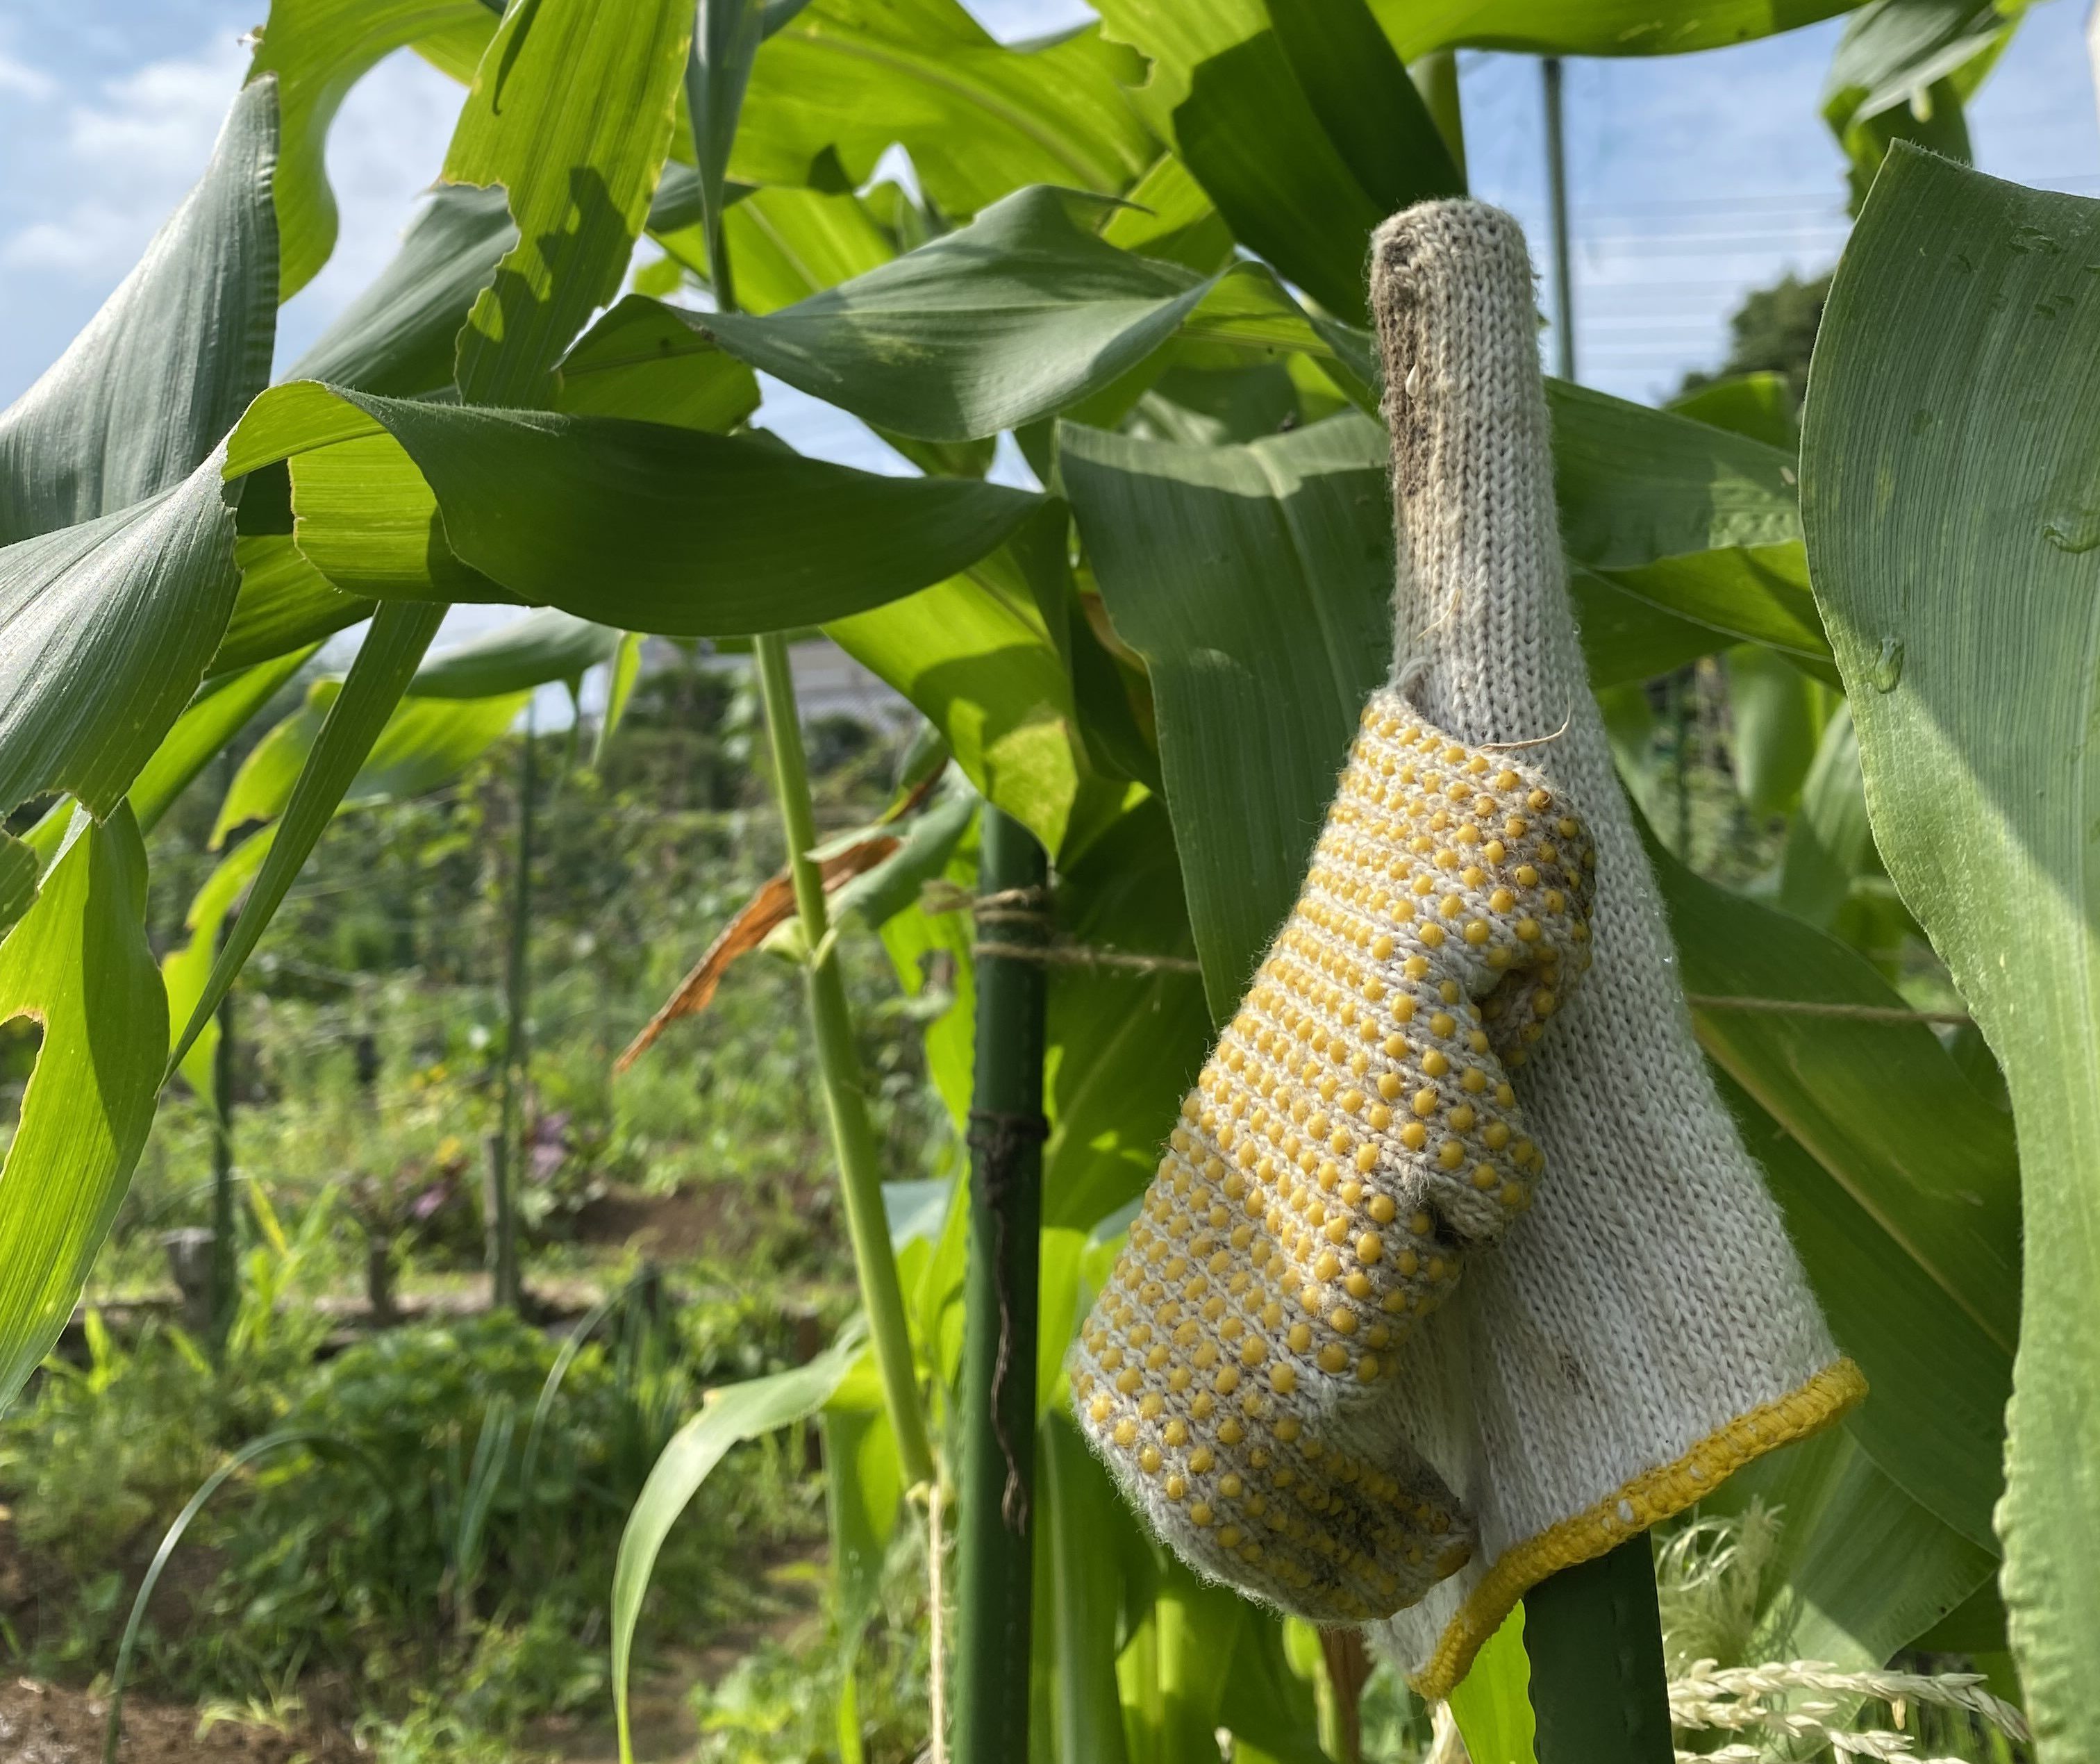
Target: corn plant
1137, 249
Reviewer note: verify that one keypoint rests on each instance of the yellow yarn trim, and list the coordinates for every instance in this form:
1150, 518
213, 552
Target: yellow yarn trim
1650, 1498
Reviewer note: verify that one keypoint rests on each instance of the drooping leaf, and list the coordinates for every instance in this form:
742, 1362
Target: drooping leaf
284, 603
643, 359
386, 661
78, 962
141, 397
1904, 69
219, 713
571, 112
105, 630
844, 80
318, 49
1899, 1179
1947, 461
733, 1413
1299, 121
1599, 27
640, 525
399, 336
536, 650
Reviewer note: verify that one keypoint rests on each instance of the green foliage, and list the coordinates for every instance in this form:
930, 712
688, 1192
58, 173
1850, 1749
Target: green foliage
1971, 689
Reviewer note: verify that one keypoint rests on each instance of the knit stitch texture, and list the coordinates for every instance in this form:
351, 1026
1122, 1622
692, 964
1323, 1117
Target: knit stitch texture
1286, 1373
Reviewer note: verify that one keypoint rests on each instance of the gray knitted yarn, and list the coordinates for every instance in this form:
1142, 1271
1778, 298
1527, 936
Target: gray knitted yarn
1645, 1327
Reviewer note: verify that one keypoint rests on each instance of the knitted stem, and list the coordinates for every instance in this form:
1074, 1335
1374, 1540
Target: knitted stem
997, 1396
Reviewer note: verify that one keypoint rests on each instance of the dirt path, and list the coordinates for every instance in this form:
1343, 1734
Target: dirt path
50, 1724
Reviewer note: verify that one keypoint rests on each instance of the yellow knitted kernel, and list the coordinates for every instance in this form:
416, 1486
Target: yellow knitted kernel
1309, 1166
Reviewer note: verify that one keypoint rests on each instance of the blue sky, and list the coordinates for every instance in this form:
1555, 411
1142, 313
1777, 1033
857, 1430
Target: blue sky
1694, 177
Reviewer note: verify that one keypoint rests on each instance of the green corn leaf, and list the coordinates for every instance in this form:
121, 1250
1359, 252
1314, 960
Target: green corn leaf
1903, 71
1492, 1704
1759, 405
733, 1413
640, 525
116, 542
1604, 28
186, 969
1299, 122
1079, 1506
535, 650
219, 713
571, 112
399, 336
1776, 716
863, 1493
385, 664
644, 359
1948, 462
318, 49
842, 80
1899, 1181
1829, 843
78, 962
1859, 1569
283, 602
108, 626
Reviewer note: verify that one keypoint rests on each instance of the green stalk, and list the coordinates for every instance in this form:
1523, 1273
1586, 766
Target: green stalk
1594, 1637
517, 1051
997, 1401
223, 1291
838, 1064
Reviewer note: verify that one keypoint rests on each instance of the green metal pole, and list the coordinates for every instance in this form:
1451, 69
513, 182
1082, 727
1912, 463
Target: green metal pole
997, 1402
1594, 1639
838, 1063
517, 1044
1556, 177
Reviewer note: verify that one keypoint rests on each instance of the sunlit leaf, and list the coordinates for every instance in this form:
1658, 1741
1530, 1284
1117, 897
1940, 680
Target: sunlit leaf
77, 962
1947, 459
318, 49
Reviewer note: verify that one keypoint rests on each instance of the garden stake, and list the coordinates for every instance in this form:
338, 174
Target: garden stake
504, 1150
1466, 1052
838, 1063
997, 1396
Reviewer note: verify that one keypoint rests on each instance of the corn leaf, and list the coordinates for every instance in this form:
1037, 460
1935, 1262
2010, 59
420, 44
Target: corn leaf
399, 336
842, 80
571, 112
318, 49
733, 1413
220, 711
640, 525
1948, 457
385, 663
77, 962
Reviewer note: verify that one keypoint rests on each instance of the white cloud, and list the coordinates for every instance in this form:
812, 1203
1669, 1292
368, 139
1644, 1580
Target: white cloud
126, 158
24, 80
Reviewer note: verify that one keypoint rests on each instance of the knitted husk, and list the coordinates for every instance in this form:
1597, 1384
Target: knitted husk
1645, 1327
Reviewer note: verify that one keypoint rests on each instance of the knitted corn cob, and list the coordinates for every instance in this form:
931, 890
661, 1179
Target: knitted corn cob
1354, 1130
1272, 1373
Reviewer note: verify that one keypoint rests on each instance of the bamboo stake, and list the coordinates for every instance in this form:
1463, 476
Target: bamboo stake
997, 1402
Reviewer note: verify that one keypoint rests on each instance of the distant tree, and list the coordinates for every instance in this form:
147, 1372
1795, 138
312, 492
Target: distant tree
1773, 331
